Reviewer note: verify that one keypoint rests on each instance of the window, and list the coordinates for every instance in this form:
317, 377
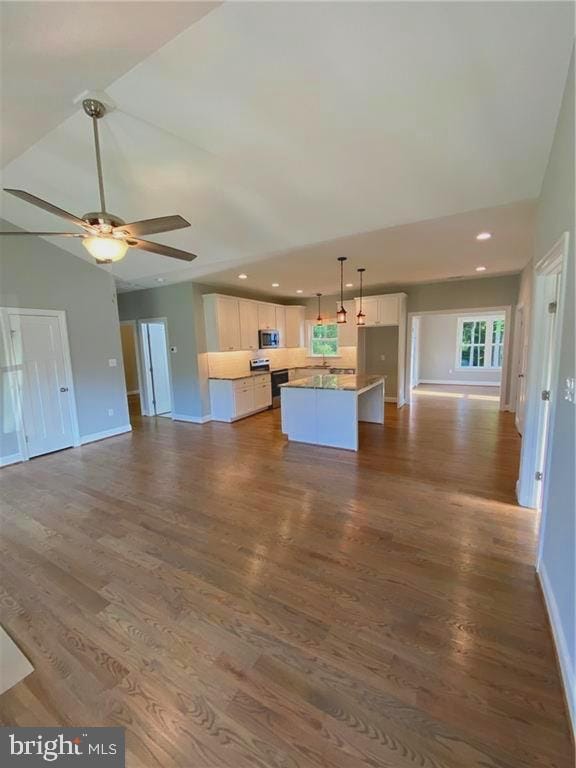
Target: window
480, 342
324, 340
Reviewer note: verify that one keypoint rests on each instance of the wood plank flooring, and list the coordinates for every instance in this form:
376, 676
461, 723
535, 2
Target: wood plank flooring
234, 600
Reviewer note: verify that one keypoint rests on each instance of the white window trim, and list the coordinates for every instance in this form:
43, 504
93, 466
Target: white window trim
487, 345
311, 325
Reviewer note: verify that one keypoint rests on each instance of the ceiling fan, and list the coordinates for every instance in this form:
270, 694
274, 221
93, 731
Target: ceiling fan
106, 236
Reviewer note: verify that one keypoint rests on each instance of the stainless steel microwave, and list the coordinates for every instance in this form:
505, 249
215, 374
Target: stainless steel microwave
268, 339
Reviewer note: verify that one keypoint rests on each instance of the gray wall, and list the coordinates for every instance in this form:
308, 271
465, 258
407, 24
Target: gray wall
35, 274
380, 342
555, 215
438, 350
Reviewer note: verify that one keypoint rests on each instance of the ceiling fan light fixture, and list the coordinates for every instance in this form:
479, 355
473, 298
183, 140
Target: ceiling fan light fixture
105, 249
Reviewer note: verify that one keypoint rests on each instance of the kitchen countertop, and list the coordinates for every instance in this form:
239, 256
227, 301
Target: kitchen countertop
348, 382
237, 376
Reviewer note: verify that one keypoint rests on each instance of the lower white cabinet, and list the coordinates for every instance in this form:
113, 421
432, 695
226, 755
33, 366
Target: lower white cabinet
232, 399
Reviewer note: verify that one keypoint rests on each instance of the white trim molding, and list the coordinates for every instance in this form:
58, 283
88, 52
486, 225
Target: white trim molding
192, 419
106, 433
567, 671
460, 383
13, 458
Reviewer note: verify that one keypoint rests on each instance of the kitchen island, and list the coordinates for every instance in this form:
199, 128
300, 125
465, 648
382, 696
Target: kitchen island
326, 409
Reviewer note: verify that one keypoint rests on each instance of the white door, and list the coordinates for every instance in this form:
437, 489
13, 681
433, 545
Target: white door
229, 324
38, 346
415, 353
522, 369
158, 371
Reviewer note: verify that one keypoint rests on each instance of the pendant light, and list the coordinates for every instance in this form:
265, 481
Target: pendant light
361, 317
319, 318
341, 314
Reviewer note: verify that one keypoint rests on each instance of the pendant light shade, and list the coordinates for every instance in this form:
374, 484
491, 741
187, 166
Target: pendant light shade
341, 314
319, 318
361, 317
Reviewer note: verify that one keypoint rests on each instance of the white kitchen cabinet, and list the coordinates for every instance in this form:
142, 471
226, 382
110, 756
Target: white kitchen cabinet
266, 316
294, 335
382, 310
248, 311
222, 321
280, 317
347, 333
232, 399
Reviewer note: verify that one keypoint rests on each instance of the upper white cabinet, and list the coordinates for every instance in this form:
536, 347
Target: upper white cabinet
347, 333
280, 319
382, 310
248, 324
294, 336
232, 324
222, 320
266, 316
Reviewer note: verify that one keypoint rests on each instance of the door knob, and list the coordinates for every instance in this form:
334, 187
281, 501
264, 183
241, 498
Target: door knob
63, 389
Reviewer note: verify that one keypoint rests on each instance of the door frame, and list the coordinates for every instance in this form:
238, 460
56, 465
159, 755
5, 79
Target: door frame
518, 345
139, 366
504, 404
13, 367
145, 408
553, 263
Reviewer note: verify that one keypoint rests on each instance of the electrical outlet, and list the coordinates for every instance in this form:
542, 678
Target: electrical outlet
570, 390
110, 411
112, 362
382, 357
173, 349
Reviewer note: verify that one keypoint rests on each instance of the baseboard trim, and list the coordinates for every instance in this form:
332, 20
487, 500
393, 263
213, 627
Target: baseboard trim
95, 436
460, 383
191, 419
567, 672
12, 458
133, 392
390, 399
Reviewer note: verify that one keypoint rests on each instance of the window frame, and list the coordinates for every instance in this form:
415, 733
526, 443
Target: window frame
488, 344
310, 351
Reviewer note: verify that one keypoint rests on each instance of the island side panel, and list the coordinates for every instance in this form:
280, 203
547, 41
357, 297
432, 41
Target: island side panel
371, 404
337, 418
298, 411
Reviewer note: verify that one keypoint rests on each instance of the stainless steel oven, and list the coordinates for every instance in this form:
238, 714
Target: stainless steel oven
278, 377
268, 339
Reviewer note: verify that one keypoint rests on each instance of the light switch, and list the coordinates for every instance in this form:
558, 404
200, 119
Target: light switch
570, 390
112, 362
110, 411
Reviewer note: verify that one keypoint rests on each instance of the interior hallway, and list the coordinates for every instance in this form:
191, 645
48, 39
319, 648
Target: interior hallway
304, 606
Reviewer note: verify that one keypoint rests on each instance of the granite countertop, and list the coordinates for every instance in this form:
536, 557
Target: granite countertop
347, 382
237, 376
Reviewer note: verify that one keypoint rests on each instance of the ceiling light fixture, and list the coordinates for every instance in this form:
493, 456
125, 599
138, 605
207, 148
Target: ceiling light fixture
160, 279
483, 236
319, 318
299, 290
242, 276
341, 314
480, 269
361, 317
275, 285
105, 249
349, 285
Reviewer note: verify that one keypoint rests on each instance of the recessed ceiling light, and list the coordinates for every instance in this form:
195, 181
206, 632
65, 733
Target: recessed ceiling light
299, 290
480, 269
349, 285
275, 285
484, 236
242, 276
160, 279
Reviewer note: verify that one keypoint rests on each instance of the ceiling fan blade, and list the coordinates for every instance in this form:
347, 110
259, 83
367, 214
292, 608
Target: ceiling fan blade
39, 203
162, 250
46, 234
153, 226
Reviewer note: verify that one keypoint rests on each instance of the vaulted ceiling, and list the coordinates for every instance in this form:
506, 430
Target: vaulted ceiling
274, 127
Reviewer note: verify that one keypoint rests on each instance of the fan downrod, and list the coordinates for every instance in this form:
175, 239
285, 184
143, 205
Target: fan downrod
94, 108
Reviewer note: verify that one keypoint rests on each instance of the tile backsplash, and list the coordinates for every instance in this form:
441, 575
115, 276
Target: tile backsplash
238, 363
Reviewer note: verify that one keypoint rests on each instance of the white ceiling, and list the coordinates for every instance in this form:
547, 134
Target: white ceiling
273, 126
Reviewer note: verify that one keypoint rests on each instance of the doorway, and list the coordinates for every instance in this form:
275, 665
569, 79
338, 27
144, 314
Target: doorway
39, 375
156, 379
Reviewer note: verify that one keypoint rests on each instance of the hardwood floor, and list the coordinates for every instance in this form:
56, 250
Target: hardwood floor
234, 600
